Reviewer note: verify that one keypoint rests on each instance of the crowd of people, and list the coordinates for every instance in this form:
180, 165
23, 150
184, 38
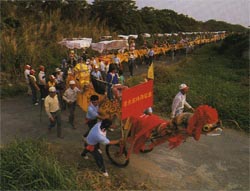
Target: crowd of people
59, 91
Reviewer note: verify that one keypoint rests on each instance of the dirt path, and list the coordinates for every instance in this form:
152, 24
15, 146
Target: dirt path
213, 163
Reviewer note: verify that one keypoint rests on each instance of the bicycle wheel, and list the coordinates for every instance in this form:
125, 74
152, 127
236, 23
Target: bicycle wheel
154, 136
147, 147
116, 156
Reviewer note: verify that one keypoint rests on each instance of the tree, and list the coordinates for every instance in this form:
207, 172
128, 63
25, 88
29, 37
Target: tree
121, 16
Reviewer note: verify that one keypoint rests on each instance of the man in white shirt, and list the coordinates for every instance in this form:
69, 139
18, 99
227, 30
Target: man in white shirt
180, 101
96, 136
26, 75
53, 111
151, 56
102, 68
33, 86
117, 62
70, 96
96, 73
42, 82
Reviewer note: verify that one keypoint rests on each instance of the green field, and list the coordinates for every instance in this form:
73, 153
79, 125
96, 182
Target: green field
215, 79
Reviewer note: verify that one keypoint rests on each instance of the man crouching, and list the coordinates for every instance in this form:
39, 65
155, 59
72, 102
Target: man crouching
96, 136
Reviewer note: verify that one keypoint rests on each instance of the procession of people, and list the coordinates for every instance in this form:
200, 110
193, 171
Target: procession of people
76, 74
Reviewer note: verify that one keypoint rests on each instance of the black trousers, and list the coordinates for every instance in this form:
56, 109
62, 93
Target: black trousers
97, 156
131, 67
34, 94
43, 91
72, 107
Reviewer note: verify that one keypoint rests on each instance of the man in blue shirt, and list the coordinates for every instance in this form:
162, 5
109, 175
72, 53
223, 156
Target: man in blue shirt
96, 136
92, 115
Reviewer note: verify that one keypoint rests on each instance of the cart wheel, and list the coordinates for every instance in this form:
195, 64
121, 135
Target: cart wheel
117, 157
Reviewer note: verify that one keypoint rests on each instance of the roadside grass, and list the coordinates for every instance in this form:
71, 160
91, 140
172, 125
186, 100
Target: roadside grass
29, 165
38, 165
213, 79
11, 90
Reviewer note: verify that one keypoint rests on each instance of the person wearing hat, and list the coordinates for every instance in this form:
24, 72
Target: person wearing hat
81, 71
51, 82
53, 111
97, 136
42, 82
60, 87
72, 59
180, 101
33, 86
70, 96
27, 69
59, 76
96, 73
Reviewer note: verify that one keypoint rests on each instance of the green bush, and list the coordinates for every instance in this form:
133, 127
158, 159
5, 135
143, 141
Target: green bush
28, 165
235, 45
12, 90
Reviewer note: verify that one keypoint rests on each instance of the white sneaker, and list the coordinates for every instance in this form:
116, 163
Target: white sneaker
100, 151
36, 104
105, 174
84, 139
86, 157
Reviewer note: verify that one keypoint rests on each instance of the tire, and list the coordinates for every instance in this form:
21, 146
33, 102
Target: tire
154, 136
147, 149
112, 153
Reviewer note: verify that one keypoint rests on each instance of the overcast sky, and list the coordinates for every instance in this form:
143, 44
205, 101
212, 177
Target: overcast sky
231, 11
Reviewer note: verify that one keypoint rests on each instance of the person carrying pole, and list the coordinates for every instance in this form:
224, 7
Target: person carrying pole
52, 108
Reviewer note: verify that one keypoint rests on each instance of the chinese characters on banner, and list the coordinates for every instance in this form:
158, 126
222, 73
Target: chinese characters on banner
136, 99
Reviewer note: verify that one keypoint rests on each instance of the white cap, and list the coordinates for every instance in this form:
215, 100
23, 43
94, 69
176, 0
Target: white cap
183, 86
58, 70
52, 77
52, 89
72, 82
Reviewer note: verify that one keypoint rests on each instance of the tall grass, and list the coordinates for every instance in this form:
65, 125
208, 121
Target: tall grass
212, 81
35, 41
28, 165
37, 165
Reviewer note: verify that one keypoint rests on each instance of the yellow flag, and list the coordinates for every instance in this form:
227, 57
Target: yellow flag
151, 71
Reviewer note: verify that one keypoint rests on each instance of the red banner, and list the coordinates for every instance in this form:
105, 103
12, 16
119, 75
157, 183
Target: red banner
136, 99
